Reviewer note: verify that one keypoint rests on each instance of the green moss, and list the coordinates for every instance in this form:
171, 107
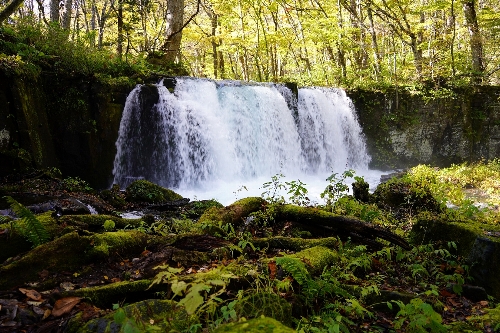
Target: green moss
317, 258
476, 242
148, 315
145, 191
295, 244
64, 253
96, 222
257, 325
261, 303
70, 252
104, 296
234, 213
122, 242
12, 243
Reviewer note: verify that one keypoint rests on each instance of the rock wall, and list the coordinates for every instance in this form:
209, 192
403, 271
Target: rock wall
60, 121
437, 127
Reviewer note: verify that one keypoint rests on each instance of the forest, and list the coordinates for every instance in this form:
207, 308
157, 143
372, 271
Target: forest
417, 253
329, 43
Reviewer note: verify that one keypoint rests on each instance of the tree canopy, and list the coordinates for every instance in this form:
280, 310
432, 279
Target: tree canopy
322, 42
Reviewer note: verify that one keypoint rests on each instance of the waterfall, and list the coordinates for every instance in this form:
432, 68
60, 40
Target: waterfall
207, 132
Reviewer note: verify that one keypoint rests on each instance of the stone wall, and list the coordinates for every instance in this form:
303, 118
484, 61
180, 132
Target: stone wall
437, 127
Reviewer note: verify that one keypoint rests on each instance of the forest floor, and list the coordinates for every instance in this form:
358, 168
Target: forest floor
341, 284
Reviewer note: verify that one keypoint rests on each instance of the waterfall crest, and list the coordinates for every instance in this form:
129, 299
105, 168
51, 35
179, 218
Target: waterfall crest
208, 131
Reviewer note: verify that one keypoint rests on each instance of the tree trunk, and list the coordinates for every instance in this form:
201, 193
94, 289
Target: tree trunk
119, 41
376, 54
476, 43
54, 11
68, 11
173, 31
10, 9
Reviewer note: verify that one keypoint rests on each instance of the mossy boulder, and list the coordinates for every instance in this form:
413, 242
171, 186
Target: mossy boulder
316, 258
149, 315
70, 252
234, 213
146, 191
399, 193
475, 241
262, 303
257, 325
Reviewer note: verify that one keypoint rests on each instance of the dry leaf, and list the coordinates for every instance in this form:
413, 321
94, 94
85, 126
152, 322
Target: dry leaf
445, 293
65, 305
46, 314
32, 294
272, 269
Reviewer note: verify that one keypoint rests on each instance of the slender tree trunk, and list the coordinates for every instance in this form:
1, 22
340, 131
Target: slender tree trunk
476, 43
173, 33
376, 54
119, 41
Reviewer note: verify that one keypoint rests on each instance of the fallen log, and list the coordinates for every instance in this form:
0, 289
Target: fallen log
331, 224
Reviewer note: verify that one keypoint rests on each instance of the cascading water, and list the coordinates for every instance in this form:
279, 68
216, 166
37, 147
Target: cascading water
210, 137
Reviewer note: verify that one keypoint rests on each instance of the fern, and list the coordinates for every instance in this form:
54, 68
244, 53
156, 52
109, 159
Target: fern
29, 226
296, 268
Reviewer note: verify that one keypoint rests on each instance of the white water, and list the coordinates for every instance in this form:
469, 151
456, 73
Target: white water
224, 139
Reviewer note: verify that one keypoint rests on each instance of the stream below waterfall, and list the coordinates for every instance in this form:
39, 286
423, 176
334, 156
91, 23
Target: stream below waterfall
224, 139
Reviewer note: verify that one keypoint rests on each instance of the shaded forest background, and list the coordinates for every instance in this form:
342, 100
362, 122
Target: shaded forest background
315, 42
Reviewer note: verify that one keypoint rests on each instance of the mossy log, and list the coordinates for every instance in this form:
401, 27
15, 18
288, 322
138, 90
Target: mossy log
295, 244
257, 325
331, 224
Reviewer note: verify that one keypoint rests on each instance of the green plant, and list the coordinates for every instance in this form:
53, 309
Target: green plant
418, 316
337, 188
109, 225
28, 225
75, 184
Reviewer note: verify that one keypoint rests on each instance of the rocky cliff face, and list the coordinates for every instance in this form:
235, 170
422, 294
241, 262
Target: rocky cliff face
60, 121
437, 127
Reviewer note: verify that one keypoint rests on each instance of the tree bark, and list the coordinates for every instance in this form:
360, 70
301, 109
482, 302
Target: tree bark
68, 11
10, 9
173, 31
476, 43
54, 11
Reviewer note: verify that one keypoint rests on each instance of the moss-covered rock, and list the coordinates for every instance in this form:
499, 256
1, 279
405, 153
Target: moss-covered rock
399, 193
96, 222
70, 252
106, 295
146, 191
234, 213
148, 315
476, 242
257, 325
262, 303
316, 258
295, 244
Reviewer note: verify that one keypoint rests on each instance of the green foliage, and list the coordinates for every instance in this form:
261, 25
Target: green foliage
146, 191
75, 184
418, 316
337, 187
109, 225
28, 225
199, 295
